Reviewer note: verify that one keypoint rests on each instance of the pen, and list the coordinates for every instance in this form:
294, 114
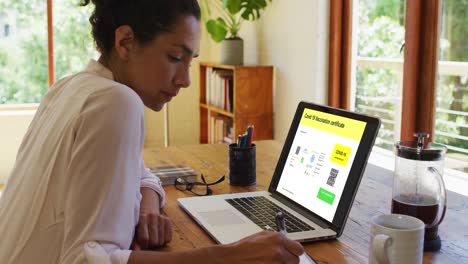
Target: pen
280, 223
244, 140
281, 228
251, 135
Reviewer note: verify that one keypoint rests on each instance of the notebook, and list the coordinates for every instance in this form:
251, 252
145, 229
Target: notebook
168, 174
314, 183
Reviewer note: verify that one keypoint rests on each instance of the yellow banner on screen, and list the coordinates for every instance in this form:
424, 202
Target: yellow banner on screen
340, 154
338, 125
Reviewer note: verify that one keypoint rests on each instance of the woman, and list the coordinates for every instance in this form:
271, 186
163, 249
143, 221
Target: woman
79, 192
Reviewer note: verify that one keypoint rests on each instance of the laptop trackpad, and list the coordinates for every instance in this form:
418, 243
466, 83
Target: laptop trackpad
221, 217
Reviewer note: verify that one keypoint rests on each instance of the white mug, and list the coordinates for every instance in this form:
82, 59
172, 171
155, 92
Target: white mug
396, 238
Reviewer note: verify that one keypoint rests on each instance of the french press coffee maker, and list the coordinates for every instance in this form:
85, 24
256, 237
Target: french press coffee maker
418, 186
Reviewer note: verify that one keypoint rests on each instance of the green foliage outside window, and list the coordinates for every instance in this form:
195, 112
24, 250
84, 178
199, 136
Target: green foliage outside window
381, 35
452, 93
23, 54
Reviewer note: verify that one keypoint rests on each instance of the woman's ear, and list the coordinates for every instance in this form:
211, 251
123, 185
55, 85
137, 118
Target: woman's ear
125, 41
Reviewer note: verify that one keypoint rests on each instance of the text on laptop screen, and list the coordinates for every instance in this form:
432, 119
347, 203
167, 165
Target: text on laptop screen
319, 161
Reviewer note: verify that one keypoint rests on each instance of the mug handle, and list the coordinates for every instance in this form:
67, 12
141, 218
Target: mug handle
380, 243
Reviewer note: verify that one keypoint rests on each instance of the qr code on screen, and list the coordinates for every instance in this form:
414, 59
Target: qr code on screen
332, 178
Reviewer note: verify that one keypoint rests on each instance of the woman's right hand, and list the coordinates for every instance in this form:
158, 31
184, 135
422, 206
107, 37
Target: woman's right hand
264, 247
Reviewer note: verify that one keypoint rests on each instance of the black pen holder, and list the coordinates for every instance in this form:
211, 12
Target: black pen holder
242, 168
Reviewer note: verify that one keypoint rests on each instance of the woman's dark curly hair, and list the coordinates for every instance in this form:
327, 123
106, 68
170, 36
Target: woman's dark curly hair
147, 18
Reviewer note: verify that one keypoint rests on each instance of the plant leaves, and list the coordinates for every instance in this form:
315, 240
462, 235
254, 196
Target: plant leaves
251, 8
217, 29
233, 6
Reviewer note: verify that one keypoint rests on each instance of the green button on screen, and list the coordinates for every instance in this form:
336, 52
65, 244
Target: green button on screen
326, 196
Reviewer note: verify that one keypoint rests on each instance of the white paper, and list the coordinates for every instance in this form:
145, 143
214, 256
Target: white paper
305, 259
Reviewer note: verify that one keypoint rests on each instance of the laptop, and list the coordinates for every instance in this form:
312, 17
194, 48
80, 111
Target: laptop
314, 183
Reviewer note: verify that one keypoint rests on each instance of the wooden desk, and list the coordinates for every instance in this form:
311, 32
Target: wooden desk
374, 197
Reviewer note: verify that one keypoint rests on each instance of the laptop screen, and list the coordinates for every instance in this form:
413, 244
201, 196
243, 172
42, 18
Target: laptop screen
320, 160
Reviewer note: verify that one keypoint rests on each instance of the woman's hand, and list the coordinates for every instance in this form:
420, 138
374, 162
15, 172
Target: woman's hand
153, 230
264, 247
260, 248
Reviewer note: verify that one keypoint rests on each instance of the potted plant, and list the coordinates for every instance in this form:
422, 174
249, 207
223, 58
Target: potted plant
225, 28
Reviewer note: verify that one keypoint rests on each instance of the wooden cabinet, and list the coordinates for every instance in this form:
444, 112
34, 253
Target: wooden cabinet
233, 97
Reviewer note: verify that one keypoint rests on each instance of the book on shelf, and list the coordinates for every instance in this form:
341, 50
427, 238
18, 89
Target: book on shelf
219, 86
220, 128
208, 85
168, 174
227, 140
230, 94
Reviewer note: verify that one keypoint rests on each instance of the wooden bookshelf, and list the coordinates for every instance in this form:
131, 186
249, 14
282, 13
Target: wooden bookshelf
249, 102
215, 109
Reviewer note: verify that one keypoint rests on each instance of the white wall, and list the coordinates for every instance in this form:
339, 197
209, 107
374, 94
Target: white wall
13, 126
292, 36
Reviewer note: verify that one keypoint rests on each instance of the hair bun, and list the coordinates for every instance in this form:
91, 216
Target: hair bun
147, 18
95, 2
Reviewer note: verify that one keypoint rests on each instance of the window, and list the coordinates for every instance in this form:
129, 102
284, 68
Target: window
451, 126
23, 57
24, 46
73, 43
378, 76
409, 70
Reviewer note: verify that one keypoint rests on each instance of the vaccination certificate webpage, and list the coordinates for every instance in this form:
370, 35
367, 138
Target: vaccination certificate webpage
319, 162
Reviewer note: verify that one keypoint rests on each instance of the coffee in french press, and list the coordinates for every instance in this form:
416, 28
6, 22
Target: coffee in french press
418, 186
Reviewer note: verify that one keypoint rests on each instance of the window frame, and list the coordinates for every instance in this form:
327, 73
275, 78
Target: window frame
339, 53
50, 44
419, 68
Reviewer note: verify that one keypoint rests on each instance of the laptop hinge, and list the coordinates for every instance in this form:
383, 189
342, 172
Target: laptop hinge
306, 213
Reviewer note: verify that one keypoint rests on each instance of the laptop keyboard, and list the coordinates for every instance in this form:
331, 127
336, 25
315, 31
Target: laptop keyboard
262, 212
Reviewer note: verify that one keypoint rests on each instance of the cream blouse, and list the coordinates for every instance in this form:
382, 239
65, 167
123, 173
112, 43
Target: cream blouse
73, 195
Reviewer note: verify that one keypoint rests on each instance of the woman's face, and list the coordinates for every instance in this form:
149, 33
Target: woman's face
157, 70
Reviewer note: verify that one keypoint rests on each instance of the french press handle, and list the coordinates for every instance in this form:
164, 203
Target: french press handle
443, 200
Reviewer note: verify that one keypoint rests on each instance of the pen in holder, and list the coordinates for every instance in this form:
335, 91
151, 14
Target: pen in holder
242, 168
